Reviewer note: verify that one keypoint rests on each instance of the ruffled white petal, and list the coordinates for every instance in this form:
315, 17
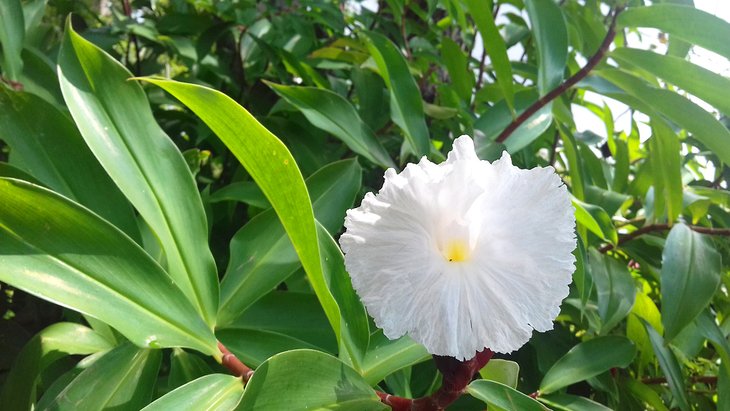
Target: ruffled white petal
463, 255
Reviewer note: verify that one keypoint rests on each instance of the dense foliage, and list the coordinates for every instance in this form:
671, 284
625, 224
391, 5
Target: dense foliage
201, 202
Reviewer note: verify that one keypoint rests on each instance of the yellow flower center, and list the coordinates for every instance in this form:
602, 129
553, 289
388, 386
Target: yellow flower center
456, 251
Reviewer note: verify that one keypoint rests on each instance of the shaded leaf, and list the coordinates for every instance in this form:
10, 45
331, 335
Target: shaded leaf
217, 392
502, 396
614, 286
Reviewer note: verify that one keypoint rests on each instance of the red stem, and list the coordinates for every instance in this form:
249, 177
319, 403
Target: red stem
456, 376
234, 365
570, 82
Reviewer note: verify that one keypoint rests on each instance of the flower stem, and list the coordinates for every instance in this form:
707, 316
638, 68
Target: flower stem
456, 376
234, 365
570, 82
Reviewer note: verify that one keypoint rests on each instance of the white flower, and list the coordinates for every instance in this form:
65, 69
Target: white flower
464, 254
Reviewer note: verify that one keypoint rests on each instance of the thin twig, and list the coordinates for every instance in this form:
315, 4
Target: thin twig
663, 227
706, 379
570, 82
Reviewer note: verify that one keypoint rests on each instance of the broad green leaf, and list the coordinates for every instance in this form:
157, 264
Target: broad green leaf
493, 43
588, 359
213, 392
386, 356
670, 366
643, 309
690, 77
499, 116
502, 371
305, 380
280, 321
686, 22
332, 113
567, 402
261, 253
185, 367
244, 191
502, 396
39, 77
355, 331
114, 118
52, 343
7, 170
457, 64
46, 144
551, 35
93, 268
12, 35
614, 286
644, 393
271, 166
406, 105
596, 220
123, 378
666, 168
688, 115
690, 276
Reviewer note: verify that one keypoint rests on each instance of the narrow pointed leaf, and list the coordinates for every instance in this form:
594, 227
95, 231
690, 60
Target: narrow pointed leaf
262, 255
551, 35
596, 220
332, 113
690, 77
588, 359
502, 396
670, 366
691, 272
52, 343
614, 286
495, 46
46, 144
305, 380
114, 118
123, 379
217, 392
688, 115
567, 402
386, 356
45, 239
12, 34
686, 22
271, 166
406, 105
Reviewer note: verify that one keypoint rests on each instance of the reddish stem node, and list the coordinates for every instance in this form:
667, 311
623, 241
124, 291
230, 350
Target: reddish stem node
234, 365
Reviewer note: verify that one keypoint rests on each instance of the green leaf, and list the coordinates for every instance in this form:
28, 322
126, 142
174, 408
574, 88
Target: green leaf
499, 116
406, 105
567, 402
502, 371
113, 114
52, 343
457, 65
494, 44
689, 278
644, 309
596, 220
686, 22
551, 35
185, 367
94, 268
332, 113
355, 332
46, 144
645, 393
211, 392
267, 327
666, 168
588, 359
690, 77
502, 396
305, 380
386, 356
244, 191
271, 166
123, 378
688, 115
12, 35
670, 366
262, 255
614, 286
